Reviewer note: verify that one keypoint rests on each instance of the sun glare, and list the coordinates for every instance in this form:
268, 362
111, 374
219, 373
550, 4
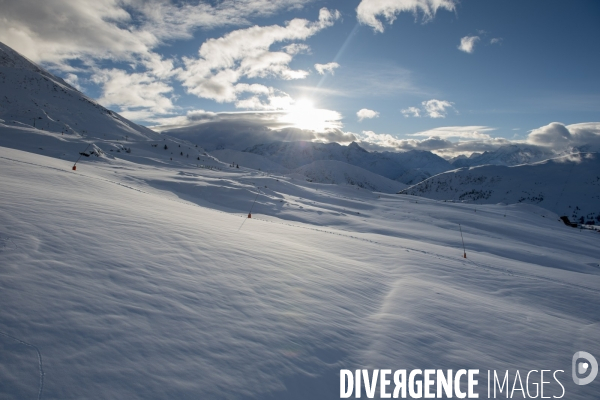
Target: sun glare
304, 115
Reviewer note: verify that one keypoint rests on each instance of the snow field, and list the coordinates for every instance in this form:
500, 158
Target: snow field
132, 291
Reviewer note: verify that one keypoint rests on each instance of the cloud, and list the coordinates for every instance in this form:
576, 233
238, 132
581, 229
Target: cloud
139, 95
431, 108
560, 137
411, 112
552, 139
301, 115
296, 48
460, 132
438, 144
73, 80
386, 142
496, 41
241, 130
57, 30
368, 11
322, 69
436, 108
366, 113
245, 53
467, 44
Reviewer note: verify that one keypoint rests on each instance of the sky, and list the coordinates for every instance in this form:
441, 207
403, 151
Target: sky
444, 75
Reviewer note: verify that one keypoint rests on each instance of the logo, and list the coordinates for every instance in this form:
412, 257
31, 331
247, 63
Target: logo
581, 367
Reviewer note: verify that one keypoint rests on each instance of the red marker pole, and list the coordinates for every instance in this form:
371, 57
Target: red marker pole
80, 155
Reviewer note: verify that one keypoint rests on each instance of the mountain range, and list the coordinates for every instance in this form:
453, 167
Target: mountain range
42, 104
567, 185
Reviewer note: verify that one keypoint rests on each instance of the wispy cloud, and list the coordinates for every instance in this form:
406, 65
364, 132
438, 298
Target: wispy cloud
371, 12
411, 112
460, 132
322, 69
467, 44
431, 108
366, 113
496, 40
296, 48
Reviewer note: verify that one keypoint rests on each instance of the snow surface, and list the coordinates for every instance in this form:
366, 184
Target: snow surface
337, 172
135, 278
249, 160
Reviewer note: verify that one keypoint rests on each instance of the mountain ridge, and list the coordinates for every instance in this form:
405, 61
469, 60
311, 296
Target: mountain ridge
407, 167
41, 100
567, 185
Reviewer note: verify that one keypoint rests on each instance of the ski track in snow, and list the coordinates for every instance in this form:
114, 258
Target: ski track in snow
40, 362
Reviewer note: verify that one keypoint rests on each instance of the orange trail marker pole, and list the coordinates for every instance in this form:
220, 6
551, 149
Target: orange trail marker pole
463, 242
250, 212
80, 155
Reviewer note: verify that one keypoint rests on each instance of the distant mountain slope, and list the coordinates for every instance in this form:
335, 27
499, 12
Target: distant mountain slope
337, 172
568, 185
408, 167
508, 155
249, 160
33, 97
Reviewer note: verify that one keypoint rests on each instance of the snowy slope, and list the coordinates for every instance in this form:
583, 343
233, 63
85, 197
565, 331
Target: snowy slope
337, 172
249, 160
137, 280
568, 185
32, 97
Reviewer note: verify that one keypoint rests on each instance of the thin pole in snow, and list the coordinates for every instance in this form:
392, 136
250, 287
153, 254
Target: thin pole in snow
80, 155
250, 212
463, 242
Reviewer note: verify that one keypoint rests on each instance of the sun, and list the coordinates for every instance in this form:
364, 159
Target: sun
304, 115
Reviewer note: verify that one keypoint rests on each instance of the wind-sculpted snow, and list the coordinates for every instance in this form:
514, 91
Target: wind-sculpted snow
568, 185
134, 280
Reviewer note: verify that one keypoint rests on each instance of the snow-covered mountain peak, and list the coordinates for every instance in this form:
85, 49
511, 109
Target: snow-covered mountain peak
567, 185
33, 97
